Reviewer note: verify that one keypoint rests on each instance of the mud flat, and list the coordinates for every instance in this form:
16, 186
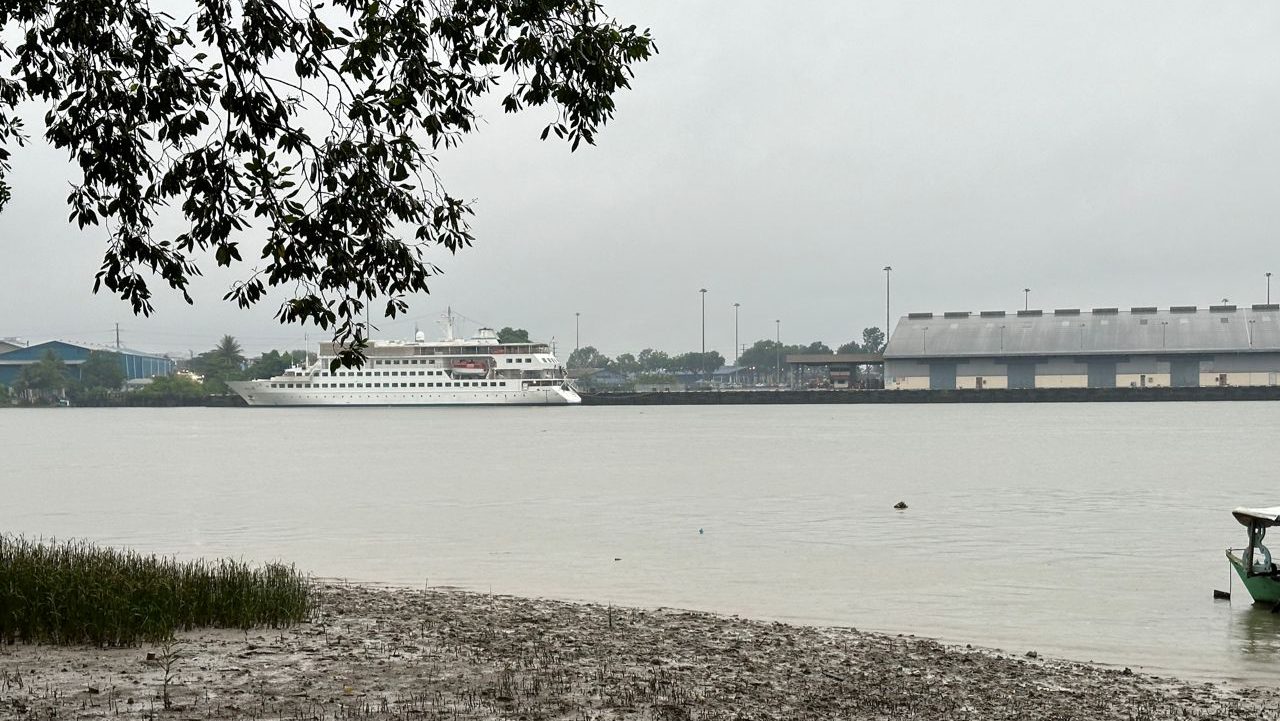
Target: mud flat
372, 653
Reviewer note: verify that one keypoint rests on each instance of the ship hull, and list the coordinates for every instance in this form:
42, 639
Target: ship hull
255, 394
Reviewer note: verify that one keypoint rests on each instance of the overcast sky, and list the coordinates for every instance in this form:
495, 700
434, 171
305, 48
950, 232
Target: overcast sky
780, 154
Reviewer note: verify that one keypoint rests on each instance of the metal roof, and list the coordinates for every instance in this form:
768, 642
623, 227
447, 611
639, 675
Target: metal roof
1070, 331
1266, 516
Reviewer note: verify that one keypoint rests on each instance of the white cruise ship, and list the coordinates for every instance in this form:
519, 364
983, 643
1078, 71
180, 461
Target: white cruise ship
471, 371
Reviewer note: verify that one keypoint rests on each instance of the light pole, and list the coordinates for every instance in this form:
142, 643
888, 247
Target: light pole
1164, 333
777, 361
703, 291
924, 342
575, 330
1026, 299
1268, 287
735, 334
1001, 338
887, 270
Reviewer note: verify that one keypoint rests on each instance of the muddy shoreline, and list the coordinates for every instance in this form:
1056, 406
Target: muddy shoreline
375, 653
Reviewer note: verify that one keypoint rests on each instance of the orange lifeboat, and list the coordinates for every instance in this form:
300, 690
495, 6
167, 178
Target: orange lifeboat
469, 368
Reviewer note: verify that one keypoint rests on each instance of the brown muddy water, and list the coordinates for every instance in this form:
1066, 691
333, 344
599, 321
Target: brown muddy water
1084, 531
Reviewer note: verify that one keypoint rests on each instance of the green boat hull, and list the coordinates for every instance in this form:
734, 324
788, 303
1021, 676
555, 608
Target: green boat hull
1262, 588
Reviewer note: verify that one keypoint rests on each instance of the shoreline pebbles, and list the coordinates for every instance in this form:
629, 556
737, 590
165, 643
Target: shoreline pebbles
375, 653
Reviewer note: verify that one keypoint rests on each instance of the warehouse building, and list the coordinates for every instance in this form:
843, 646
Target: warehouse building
135, 364
1222, 345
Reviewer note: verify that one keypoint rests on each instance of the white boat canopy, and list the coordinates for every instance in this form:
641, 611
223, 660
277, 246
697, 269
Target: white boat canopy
1267, 516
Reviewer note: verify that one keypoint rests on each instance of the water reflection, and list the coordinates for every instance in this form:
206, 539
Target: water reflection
1255, 630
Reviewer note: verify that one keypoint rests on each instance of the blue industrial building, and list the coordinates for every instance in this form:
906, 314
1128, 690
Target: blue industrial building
134, 363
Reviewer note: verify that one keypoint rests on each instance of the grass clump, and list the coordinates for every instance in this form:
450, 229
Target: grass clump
74, 592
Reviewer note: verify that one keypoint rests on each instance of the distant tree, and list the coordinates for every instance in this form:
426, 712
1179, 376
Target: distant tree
588, 357
768, 356
179, 387
224, 363
626, 364
5, 394
323, 123
872, 340
46, 378
513, 335
269, 364
695, 362
229, 352
818, 348
653, 360
762, 354
102, 370
852, 346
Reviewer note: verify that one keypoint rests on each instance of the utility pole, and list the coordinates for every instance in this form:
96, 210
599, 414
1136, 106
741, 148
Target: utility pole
777, 361
887, 270
1026, 299
703, 291
735, 333
117, 337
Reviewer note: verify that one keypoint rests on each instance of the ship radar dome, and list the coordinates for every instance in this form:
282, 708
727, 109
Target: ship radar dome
420, 337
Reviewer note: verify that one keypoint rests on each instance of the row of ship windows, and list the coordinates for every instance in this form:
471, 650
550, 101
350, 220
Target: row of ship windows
466, 384
327, 374
381, 373
424, 361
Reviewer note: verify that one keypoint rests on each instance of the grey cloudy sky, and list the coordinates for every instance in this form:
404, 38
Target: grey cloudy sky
780, 154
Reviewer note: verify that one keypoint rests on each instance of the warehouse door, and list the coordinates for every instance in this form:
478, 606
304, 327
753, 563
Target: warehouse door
942, 376
1102, 374
1184, 373
1022, 375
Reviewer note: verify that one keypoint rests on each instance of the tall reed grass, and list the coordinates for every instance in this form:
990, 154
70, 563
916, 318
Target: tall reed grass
74, 592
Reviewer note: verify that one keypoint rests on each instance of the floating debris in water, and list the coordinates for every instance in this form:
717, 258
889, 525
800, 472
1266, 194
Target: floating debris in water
900, 505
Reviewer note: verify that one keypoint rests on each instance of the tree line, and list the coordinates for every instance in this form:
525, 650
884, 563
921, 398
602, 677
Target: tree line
763, 355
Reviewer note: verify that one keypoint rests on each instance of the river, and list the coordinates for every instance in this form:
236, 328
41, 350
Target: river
1084, 531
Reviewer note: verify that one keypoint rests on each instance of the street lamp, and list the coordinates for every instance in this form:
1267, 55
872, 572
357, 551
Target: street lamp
1164, 333
704, 320
887, 270
924, 342
777, 346
735, 333
1268, 287
575, 331
1001, 338
1026, 299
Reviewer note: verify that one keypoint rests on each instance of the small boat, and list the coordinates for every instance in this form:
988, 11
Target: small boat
1254, 563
